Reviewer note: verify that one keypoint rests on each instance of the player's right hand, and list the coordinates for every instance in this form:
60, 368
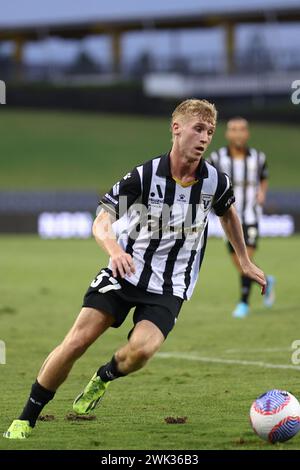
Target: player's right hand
122, 264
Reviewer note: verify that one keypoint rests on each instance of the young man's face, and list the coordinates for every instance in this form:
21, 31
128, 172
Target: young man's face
237, 133
193, 135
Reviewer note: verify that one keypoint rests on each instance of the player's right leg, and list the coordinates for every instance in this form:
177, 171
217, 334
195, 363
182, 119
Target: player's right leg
90, 324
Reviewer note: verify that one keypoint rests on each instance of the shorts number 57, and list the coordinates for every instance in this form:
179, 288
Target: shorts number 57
108, 282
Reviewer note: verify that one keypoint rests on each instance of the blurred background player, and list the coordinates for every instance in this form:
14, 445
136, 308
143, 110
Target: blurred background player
247, 168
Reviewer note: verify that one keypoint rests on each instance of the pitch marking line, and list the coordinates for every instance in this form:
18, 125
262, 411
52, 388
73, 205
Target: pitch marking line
217, 360
270, 350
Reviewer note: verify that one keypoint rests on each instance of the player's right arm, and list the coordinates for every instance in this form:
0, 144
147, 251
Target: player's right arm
121, 262
113, 205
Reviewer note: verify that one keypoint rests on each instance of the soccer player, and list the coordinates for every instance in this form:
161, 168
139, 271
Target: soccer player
247, 168
153, 226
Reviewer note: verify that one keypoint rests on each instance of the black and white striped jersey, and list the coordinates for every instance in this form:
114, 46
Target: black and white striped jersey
163, 225
246, 175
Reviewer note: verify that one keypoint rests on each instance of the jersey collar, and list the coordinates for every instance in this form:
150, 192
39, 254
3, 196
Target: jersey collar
164, 169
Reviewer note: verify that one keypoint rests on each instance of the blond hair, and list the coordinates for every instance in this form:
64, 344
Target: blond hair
195, 107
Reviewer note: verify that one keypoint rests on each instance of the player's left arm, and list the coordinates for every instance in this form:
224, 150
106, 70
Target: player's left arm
224, 208
262, 192
263, 180
233, 229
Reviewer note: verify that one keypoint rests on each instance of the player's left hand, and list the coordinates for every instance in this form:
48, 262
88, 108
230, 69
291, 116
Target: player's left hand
251, 270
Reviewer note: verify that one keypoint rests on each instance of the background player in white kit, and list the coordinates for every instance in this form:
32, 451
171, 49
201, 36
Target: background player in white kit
248, 171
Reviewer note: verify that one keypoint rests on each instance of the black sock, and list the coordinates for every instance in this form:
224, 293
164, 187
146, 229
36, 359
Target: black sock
39, 397
245, 288
109, 371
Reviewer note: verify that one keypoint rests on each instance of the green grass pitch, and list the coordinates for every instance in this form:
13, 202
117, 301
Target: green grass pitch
47, 150
42, 284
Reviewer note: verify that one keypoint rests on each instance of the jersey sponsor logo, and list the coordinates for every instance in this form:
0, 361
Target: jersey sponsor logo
153, 199
155, 202
127, 176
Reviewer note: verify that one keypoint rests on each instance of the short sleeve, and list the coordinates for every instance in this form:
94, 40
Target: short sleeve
122, 195
263, 167
224, 196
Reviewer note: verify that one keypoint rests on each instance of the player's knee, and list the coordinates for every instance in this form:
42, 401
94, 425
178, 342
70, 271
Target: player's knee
141, 353
76, 345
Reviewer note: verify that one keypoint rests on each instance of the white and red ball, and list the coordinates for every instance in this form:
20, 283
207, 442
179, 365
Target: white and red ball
275, 416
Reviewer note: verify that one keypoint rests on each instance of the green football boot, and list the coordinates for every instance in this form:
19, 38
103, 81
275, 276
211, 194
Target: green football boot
18, 429
91, 396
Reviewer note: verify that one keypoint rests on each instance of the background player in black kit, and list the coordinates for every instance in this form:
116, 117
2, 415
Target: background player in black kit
247, 168
153, 226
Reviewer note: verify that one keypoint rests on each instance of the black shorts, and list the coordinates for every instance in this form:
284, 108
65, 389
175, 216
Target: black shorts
117, 297
250, 235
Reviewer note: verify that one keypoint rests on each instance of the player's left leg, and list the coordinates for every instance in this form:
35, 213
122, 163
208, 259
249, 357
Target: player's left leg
143, 343
242, 308
269, 297
250, 233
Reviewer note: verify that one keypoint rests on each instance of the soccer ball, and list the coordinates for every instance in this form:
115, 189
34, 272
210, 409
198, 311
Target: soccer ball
275, 416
